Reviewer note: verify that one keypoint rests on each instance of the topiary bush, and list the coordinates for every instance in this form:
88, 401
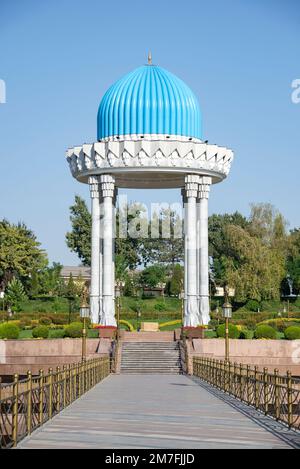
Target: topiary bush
292, 333
265, 332
74, 330
40, 332
246, 334
45, 321
57, 333
234, 332
9, 331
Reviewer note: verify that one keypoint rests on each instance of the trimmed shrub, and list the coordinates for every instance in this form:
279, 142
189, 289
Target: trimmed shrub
57, 333
234, 333
40, 332
74, 330
246, 334
45, 321
9, 331
292, 333
265, 332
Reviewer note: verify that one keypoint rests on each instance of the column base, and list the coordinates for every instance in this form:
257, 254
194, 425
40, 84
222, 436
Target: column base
108, 312
191, 312
204, 310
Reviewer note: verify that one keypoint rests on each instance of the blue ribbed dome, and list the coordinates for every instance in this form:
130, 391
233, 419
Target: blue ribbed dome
149, 100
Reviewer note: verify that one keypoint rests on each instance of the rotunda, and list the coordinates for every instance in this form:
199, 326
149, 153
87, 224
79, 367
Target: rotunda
149, 135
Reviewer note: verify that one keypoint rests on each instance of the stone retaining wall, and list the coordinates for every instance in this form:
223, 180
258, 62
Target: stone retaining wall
19, 356
281, 354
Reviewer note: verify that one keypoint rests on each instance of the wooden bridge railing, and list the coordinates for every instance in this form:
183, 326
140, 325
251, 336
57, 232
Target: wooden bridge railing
28, 403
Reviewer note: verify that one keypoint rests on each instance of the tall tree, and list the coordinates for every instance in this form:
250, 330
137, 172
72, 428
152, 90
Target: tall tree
164, 244
252, 268
79, 239
20, 252
127, 246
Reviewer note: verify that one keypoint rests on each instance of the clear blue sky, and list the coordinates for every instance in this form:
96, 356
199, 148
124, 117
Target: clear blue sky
58, 57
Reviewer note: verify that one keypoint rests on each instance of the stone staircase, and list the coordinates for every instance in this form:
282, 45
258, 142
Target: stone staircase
151, 357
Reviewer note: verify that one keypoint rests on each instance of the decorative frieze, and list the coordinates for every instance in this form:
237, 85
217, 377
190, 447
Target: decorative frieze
185, 155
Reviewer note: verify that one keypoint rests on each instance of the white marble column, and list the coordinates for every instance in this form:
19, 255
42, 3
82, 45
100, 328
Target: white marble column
95, 249
185, 244
203, 265
191, 312
108, 308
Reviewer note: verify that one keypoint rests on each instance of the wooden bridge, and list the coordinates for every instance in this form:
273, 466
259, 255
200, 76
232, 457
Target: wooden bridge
85, 405
155, 411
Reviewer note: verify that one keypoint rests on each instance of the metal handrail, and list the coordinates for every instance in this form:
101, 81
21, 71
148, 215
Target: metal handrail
28, 403
271, 393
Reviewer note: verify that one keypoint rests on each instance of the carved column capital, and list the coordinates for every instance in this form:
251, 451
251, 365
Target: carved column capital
204, 187
107, 183
94, 186
191, 185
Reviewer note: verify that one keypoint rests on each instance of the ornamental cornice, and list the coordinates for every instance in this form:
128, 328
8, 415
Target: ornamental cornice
147, 154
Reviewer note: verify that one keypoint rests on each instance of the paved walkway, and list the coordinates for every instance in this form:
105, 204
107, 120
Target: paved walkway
154, 412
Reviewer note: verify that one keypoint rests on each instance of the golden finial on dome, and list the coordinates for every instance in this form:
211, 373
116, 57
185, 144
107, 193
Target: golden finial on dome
149, 58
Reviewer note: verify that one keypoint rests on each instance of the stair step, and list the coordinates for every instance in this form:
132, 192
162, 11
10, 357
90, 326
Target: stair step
150, 356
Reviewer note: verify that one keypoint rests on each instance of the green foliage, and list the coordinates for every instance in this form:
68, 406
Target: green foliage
74, 330
153, 276
57, 334
234, 332
46, 281
166, 246
20, 252
9, 331
265, 332
15, 294
292, 333
160, 307
253, 269
40, 332
252, 305
45, 321
246, 334
79, 239
175, 283
25, 323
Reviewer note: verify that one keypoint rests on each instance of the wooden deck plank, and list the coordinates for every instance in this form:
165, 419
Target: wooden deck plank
151, 411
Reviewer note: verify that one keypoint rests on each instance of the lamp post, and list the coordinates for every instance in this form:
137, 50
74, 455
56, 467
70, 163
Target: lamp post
84, 313
227, 314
